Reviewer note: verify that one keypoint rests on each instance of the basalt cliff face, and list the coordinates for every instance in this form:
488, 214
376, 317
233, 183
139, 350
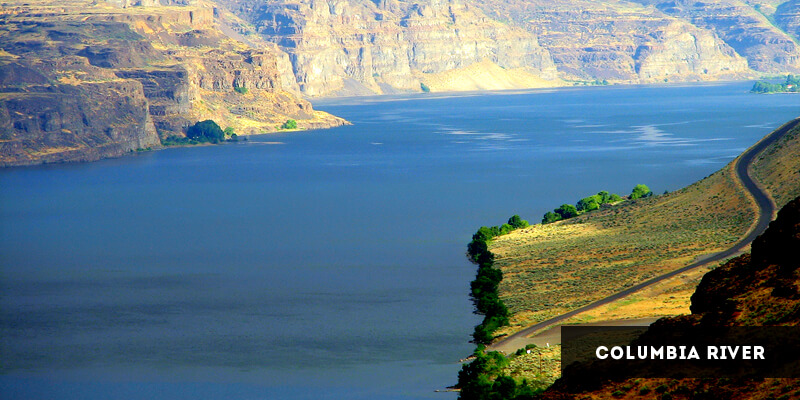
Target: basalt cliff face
752, 31
787, 17
340, 47
84, 80
361, 46
757, 289
622, 42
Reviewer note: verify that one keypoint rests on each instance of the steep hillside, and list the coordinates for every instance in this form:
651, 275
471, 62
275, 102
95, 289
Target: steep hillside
545, 275
82, 80
758, 289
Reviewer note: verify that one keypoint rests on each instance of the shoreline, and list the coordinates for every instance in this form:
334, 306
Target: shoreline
765, 207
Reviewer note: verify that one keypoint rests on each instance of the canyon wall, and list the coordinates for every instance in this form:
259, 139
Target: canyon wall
83, 80
359, 46
345, 47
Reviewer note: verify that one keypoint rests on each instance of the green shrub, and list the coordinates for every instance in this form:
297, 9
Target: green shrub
550, 217
424, 87
567, 211
640, 191
517, 222
289, 124
589, 203
206, 131
240, 89
177, 141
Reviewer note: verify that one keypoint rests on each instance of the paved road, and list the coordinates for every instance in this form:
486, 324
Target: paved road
766, 210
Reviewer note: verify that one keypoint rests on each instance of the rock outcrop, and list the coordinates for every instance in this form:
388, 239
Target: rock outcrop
787, 17
341, 47
83, 80
621, 42
743, 27
361, 46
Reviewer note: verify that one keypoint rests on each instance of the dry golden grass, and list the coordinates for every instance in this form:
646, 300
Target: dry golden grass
667, 298
778, 169
779, 166
552, 269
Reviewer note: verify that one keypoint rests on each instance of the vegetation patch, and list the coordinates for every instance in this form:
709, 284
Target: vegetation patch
790, 85
289, 124
206, 131
484, 287
591, 203
487, 377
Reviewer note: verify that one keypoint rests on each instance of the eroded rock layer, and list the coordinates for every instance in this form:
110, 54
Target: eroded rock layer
84, 80
361, 46
364, 47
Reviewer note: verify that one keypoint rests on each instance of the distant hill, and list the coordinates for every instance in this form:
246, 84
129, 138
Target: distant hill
82, 80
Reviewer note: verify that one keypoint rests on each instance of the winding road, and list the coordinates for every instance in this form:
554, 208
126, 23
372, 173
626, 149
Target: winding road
766, 210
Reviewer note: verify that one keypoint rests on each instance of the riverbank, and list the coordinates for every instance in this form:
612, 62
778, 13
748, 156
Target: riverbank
775, 156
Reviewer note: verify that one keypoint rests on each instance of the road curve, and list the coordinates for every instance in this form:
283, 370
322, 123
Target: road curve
766, 210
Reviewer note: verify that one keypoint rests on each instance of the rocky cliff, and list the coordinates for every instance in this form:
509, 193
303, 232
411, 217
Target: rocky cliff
83, 80
622, 42
787, 17
359, 46
747, 29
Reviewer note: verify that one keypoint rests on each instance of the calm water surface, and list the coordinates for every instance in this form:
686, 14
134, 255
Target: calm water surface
325, 264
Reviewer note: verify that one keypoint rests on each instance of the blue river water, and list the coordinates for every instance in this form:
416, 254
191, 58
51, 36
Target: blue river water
324, 264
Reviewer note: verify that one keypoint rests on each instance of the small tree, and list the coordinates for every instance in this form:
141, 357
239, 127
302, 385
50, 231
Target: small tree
550, 217
206, 131
589, 203
640, 191
229, 131
567, 211
289, 124
516, 222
